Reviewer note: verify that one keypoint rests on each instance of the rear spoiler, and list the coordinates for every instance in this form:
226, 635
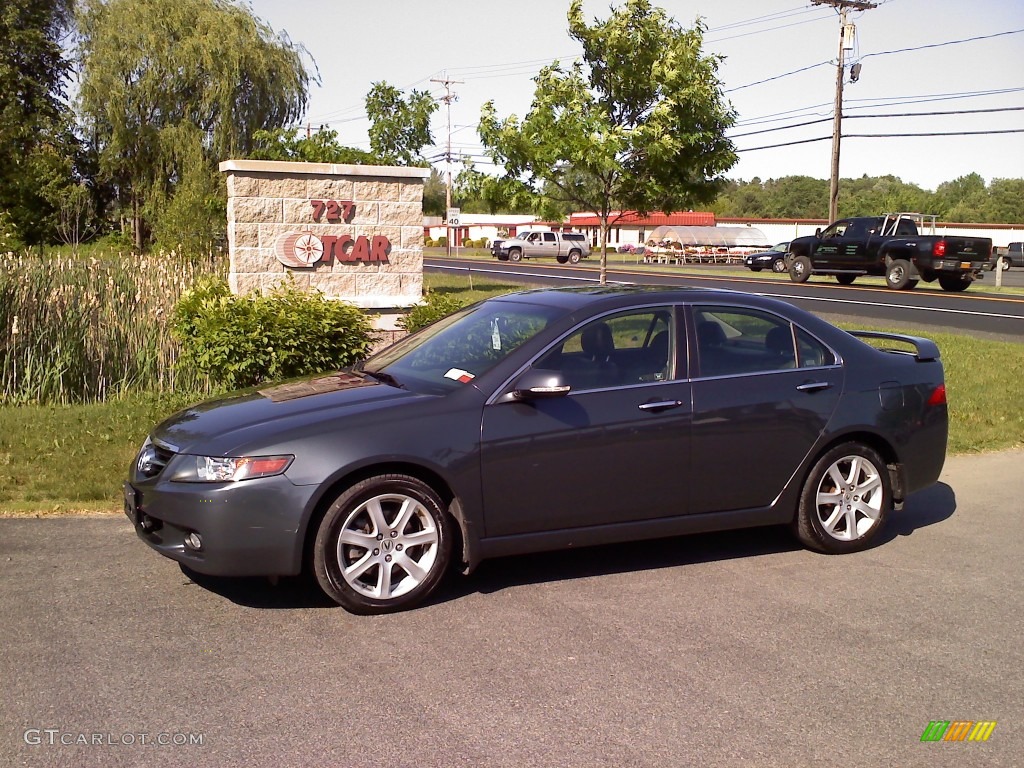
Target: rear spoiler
926, 348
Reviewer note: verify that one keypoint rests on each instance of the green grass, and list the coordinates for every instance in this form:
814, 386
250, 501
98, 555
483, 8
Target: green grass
73, 458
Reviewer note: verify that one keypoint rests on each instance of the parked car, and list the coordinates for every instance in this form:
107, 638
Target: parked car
773, 259
1012, 257
542, 420
891, 246
565, 247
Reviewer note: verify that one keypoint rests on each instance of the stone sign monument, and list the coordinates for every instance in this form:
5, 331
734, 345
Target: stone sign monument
353, 232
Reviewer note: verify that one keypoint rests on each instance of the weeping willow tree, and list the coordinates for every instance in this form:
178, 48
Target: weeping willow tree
171, 87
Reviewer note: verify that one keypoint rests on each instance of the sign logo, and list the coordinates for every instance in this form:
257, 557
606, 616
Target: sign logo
299, 249
958, 730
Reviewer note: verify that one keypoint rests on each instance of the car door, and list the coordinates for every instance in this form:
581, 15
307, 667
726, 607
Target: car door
763, 392
549, 244
615, 449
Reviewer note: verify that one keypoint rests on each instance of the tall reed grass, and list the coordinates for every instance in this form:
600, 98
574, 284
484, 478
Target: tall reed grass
75, 330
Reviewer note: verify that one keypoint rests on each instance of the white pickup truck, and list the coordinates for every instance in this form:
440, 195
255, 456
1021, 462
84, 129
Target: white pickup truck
565, 247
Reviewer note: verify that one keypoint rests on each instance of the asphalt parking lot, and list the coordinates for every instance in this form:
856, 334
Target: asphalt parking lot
716, 650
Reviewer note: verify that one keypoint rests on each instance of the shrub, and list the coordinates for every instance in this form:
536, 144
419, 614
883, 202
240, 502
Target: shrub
428, 242
441, 242
437, 305
9, 239
242, 341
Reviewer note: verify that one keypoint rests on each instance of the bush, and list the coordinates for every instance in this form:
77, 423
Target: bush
9, 239
428, 242
441, 242
437, 305
242, 341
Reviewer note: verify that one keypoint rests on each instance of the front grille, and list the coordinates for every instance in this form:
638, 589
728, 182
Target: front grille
152, 459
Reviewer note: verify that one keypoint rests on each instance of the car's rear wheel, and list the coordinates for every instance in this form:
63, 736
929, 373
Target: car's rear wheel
574, 257
384, 545
900, 275
779, 265
562, 258
755, 269
845, 279
955, 283
845, 500
515, 255
800, 269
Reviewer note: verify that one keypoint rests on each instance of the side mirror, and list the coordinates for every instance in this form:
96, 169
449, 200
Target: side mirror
535, 384
817, 232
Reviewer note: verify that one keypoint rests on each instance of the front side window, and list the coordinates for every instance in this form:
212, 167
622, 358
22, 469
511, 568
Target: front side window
836, 230
615, 351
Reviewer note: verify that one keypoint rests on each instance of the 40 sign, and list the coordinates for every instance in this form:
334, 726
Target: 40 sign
305, 249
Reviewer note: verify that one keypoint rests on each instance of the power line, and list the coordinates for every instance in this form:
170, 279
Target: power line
894, 114
883, 136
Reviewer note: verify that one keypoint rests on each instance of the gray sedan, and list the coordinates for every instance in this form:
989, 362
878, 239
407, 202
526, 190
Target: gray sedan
542, 420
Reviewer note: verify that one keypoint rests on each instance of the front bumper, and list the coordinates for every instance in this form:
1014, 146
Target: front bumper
247, 528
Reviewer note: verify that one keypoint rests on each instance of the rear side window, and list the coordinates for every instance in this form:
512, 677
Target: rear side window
572, 237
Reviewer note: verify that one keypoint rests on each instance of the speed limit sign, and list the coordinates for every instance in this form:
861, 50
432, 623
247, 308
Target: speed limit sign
453, 216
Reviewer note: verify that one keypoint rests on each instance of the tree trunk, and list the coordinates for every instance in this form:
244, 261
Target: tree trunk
603, 278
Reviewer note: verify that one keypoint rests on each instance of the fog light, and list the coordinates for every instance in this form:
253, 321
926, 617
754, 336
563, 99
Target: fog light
192, 541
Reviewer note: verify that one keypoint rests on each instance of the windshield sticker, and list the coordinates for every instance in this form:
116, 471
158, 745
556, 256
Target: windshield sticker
495, 335
460, 375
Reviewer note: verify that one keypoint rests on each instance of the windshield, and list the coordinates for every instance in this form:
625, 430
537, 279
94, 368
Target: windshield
455, 350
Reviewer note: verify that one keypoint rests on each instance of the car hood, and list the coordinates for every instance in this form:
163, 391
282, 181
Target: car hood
218, 427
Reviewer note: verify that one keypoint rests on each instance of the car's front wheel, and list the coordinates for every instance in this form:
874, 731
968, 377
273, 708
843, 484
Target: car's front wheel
755, 269
845, 500
384, 545
515, 254
800, 269
900, 275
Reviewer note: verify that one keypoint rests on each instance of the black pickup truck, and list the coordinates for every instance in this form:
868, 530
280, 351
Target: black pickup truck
891, 246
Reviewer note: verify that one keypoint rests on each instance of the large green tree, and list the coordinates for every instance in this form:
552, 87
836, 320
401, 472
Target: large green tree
39, 152
399, 126
639, 124
300, 146
169, 84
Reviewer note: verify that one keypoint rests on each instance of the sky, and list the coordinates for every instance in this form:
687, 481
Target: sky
495, 48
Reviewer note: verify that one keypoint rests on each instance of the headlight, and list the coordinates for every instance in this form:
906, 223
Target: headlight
217, 469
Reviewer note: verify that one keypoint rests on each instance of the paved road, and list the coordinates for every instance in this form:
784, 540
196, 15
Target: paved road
716, 650
987, 314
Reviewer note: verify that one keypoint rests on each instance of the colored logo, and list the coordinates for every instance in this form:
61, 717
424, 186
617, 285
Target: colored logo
299, 249
958, 730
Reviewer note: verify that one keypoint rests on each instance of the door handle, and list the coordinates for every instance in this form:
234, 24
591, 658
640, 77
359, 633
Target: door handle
813, 386
662, 405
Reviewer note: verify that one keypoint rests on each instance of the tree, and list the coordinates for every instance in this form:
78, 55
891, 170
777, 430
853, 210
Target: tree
322, 146
477, 192
40, 151
165, 82
434, 194
399, 128
638, 125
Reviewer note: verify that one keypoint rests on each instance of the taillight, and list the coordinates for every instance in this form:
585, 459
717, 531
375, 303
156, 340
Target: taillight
939, 249
938, 396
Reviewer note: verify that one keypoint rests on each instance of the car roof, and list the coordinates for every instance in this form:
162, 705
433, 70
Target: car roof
612, 296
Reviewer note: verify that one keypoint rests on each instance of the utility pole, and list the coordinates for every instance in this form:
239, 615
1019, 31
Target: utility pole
837, 121
448, 98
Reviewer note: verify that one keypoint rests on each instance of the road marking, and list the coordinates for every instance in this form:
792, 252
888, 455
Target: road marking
758, 293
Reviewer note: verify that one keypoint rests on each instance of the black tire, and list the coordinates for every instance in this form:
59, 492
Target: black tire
755, 269
779, 266
417, 549
955, 283
562, 258
1006, 262
574, 257
866, 491
899, 275
515, 255
502, 257
845, 279
800, 269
